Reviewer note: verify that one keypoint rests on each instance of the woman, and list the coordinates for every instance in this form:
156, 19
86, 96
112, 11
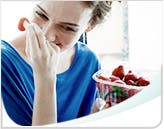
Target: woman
46, 72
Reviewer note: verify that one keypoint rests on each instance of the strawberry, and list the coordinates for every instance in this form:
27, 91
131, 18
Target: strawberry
119, 100
110, 88
99, 85
114, 78
130, 76
103, 78
142, 82
130, 82
108, 99
125, 90
132, 92
119, 81
119, 72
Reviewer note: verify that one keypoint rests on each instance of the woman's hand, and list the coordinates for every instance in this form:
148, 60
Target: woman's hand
43, 58
99, 105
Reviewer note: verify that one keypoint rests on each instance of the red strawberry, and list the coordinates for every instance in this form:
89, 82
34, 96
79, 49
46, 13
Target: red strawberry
130, 71
130, 76
119, 100
119, 81
132, 92
130, 82
114, 78
125, 90
108, 99
103, 78
99, 86
119, 72
142, 82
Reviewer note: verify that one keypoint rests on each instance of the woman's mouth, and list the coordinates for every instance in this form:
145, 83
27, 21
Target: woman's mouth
58, 44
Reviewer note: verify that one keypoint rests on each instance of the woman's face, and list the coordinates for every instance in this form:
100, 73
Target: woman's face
62, 22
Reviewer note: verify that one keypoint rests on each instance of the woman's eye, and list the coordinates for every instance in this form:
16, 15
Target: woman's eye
68, 28
41, 15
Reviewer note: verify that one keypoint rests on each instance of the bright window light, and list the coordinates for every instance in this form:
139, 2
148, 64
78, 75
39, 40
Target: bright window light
145, 33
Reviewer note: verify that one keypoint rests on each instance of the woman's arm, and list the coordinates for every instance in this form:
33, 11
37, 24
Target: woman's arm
44, 108
98, 105
43, 58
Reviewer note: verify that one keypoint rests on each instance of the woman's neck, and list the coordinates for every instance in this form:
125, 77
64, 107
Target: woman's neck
19, 44
65, 60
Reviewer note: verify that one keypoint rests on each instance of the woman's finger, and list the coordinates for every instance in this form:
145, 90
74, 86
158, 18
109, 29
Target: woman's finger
100, 103
54, 47
33, 40
41, 38
54, 50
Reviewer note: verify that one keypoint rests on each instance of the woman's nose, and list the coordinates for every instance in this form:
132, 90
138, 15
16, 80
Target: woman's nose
49, 32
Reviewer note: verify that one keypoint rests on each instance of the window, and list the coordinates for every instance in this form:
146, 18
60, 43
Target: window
145, 33
132, 35
110, 39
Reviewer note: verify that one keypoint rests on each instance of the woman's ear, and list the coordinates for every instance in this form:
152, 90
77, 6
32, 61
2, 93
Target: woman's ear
90, 27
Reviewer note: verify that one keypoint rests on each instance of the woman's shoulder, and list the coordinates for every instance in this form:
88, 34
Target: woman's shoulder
6, 47
10, 57
7, 51
84, 50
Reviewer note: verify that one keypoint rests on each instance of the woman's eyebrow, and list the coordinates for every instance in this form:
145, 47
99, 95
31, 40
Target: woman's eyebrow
67, 23
42, 9
71, 24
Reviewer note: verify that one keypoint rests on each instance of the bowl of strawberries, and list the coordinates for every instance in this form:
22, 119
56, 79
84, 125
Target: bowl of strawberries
119, 84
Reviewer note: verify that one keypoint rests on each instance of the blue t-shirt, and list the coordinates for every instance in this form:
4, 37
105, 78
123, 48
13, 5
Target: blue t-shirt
76, 90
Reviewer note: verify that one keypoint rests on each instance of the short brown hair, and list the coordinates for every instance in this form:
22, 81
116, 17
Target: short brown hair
100, 10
